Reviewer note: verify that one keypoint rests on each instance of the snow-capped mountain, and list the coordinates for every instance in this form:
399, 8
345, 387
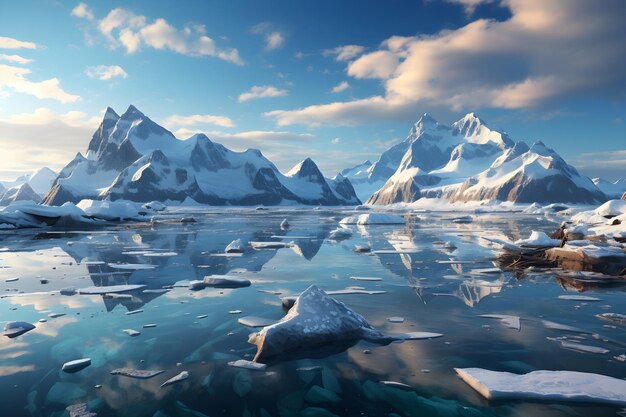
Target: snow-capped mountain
40, 181
613, 190
131, 157
469, 161
22, 192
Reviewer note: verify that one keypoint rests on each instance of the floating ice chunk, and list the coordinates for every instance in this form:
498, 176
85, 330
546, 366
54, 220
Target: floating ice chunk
130, 313
16, 328
614, 317
187, 219
225, 281
583, 348
462, 219
538, 240
155, 205
415, 336
11, 279
242, 363
180, 377
395, 319
396, 384
110, 289
366, 278
234, 312
234, 247
563, 327
512, 322
373, 218
349, 291
76, 365
149, 326
545, 385
160, 254
131, 332
136, 373
578, 298
197, 285
55, 315
284, 224
253, 321
202, 316
270, 245
132, 267
362, 248
341, 233
67, 291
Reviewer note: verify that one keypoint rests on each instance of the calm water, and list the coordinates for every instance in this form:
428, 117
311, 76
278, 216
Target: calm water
422, 286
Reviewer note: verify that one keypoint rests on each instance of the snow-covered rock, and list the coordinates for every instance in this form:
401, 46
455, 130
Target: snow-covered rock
373, 218
538, 240
16, 328
545, 385
234, 247
340, 233
131, 157
314, 320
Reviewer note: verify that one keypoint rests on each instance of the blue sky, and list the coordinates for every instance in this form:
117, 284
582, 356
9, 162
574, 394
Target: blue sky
337, 81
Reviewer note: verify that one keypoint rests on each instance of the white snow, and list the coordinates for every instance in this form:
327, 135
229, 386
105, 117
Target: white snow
109, 289
75, 365
538, 240
545, 385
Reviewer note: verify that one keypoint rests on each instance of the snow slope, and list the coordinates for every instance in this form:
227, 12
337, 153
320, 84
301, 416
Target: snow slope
131, 157
21, 192
613, 190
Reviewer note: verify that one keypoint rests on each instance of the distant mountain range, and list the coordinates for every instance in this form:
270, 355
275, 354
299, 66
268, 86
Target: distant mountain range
469, 161
131, 157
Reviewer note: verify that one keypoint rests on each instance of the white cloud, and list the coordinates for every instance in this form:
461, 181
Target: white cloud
176, 120
15, 58
11, 43
470, 5
530, 60
345, 53
246, 138
261, 91
43, 116
16, 78
342, 86
122, 27
273, 38
610, 165
335, 141
105, 72
83, 11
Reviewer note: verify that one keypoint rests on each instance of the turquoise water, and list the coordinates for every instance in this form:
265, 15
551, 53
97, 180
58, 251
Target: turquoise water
421, 285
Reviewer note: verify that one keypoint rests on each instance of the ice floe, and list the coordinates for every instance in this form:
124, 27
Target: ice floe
16, 328
372, 219
234, 247
178, 378
76, 365
512, 322
242, 363
137, 373
545, 385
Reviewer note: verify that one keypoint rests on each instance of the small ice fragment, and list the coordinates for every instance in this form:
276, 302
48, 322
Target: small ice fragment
366, 278
149, 326
234, 312
362, 248
341, 233
128, 313
67, 291
79, 410
583, 348
242, 363
187, 219
136, 373
396, 384
202, 316
55, 315
76, 365
131, 332
16, 328
11, 279
512, 322
396, 319
284, 224
180, 377
234, 247
578, 298
415, 336
253, 321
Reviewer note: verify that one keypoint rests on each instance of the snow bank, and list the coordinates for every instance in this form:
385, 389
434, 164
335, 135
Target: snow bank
545, 385
538, 240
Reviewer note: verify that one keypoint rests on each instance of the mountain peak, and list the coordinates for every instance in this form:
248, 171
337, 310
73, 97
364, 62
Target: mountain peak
132, 113
110, 114
426, 119
306, 168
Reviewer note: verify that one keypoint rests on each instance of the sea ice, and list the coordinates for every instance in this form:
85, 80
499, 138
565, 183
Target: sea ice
373, 218
180, 377
242, 363
76, 365
16, 328
512, 322
136, 373
545, 385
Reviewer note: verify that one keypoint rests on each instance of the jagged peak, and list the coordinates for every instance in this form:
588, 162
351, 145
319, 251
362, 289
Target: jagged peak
305, 168
132, 113
110, 114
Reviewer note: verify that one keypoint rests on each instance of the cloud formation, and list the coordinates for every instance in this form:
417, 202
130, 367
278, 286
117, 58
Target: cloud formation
83, 11
196, 119
342, 86
272, 37
15, 59
122, 27
545, 52
261, 91
11, 43
17, 79
105, 72
345, 53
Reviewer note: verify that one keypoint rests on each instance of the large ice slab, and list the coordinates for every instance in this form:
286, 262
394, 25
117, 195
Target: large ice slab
545, 385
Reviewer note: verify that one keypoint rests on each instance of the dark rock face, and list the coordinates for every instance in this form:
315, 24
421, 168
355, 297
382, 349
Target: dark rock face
624, 196
390, 194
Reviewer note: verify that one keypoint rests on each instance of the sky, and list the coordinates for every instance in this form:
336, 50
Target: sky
338, 81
